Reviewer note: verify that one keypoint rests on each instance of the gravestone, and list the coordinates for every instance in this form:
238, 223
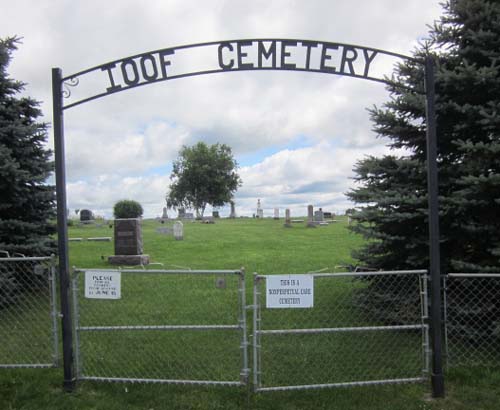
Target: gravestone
181, 213
260, 211
178, 231
215, 214
128, 243
318, 216
276, 213
86, 215
164, 214
232, 215
288, 221
128, 237
327, 215
189, 215
310, 216
164, 230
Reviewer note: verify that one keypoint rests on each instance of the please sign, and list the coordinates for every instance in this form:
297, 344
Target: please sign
102, 285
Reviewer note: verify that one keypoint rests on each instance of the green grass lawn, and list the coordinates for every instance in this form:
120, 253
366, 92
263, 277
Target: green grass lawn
262, 246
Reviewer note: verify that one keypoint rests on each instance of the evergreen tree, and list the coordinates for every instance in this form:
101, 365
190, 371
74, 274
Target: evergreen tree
392, 190
26, 201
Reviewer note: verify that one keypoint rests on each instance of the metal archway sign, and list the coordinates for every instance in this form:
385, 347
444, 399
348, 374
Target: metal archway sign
232, 56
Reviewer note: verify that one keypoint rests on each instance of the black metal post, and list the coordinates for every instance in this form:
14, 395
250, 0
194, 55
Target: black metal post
437, 378
62, 229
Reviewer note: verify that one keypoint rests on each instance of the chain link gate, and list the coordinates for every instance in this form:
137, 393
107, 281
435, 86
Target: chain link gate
472, 319
168, 326
364, 328
28, 312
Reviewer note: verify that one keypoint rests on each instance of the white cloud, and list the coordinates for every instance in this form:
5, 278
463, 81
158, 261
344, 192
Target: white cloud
123, 145
318, 175
100, 194
128, 154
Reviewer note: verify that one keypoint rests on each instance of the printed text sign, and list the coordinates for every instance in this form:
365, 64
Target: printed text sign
290, 291
103, 285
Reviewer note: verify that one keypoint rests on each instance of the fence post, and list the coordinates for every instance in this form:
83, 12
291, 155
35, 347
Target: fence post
255, 369
445, 314
53, 307
243, 323
62, 229
437, 378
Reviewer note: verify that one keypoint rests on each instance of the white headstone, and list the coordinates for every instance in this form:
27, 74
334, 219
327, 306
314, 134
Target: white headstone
260, 211
178, 231
276, 213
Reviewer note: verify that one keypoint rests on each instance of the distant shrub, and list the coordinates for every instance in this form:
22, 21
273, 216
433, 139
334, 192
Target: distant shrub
127, 209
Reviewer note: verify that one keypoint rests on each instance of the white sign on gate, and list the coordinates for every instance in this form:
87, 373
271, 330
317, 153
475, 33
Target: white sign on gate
102, 285
289, 291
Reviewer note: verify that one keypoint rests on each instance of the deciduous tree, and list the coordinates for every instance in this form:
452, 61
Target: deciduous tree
203, 175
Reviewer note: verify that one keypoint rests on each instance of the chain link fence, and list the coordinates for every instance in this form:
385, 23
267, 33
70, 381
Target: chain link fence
28, 312
472, 319
185, 327
363, 328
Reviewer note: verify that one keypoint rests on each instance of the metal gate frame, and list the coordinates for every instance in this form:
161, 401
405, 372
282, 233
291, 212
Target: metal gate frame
257, 332
240, 326
53, 310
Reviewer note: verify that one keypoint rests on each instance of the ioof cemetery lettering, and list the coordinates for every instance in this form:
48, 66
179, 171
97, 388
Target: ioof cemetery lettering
300, 55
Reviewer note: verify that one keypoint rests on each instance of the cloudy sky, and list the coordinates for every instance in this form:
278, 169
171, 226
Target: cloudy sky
295, 135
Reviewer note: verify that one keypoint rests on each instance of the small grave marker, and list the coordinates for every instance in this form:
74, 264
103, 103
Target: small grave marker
288, 222
165, 230
276, 213
232, 215
318, 216
178, 231
310, 221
